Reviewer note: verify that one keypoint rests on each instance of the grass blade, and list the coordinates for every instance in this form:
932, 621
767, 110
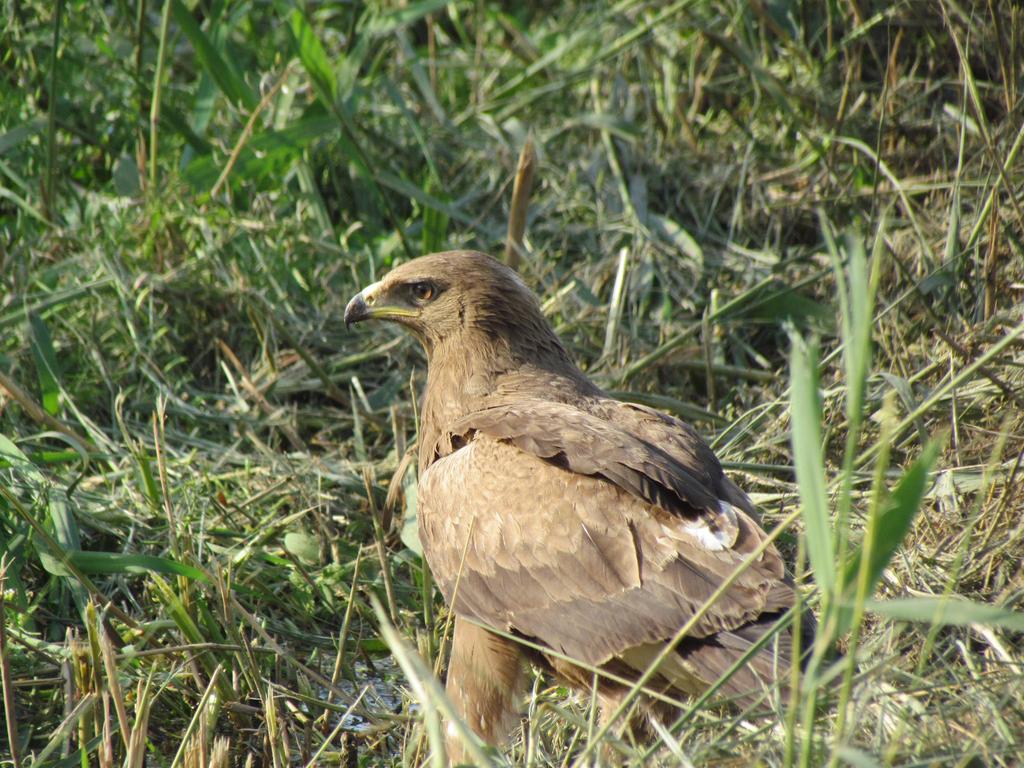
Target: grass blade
115, 562
810, 466
46, 364
947, 610
313, 57
430, 694
896, 518
221, 70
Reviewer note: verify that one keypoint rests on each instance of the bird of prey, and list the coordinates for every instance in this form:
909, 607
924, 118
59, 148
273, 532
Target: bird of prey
550, 511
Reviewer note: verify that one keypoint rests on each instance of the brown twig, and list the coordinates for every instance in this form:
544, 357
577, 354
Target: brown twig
5, 672
36, 412
165, 491
379, 529
243, 139
521, 189
261, 401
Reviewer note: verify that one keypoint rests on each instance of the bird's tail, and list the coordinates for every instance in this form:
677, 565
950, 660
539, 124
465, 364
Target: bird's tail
702, 662
768, 669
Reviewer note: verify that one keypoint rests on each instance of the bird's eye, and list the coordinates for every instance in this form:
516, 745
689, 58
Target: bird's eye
423, 291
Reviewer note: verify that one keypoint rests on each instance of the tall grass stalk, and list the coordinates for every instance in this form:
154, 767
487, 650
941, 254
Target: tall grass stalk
157, 97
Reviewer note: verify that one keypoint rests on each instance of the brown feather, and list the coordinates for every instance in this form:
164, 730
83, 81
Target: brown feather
485, 675
558, 562
549, 510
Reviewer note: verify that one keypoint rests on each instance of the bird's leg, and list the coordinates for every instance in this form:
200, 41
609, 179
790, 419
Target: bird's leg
485, 682
635, 727
622, 730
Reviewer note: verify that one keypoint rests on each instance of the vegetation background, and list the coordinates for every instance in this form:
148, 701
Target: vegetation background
199, 501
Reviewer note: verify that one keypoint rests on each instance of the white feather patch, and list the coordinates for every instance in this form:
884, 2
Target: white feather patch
710, 540
722, 535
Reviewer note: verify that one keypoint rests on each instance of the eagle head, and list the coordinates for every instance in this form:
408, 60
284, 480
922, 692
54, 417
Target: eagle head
456, 297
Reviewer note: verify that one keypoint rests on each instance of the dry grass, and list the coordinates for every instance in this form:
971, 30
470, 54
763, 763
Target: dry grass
195, 457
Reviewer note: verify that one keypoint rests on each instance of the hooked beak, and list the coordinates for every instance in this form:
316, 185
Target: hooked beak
367, 304
359, 308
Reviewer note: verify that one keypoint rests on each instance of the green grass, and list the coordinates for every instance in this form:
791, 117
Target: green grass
797, 224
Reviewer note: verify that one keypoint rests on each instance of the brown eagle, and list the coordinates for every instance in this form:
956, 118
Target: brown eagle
551, 511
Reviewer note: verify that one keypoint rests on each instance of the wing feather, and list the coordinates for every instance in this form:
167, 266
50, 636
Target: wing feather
573, 559
663, 463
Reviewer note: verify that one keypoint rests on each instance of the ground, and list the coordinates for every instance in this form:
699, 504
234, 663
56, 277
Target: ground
205, 536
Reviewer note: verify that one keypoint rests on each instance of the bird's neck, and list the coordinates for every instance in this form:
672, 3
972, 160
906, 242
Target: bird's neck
467, 374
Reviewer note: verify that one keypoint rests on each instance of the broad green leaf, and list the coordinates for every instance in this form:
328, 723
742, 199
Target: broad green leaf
810, 467
373, 645
313, 58
675, 234
177, 610
222, 71
414, 192
779, 304
116, 562
127, 179
410, 523
204, 103
66, 539
64, 524
896, 518
14, 457
179, 124
147, 480
856, 309
46, 364
303, 545
614, 124
14, 546
65, 529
